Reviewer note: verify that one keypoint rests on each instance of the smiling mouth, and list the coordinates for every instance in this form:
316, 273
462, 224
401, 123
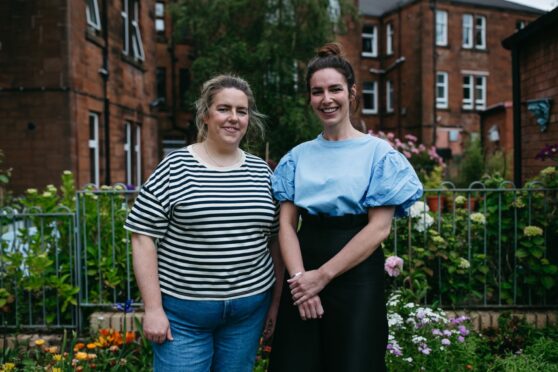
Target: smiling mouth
329, 110
231, 129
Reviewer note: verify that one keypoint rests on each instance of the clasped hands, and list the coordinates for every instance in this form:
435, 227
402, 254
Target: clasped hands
304, 291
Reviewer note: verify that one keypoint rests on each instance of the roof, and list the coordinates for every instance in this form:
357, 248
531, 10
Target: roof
545, 23
380, 7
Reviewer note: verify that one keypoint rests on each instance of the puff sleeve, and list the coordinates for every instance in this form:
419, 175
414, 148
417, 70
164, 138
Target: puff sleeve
282, 180
393, 182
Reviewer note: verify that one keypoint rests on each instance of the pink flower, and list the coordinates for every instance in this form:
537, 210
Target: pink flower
393, 265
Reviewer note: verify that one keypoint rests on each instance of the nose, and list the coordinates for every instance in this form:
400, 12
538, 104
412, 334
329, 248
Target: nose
327, 97
234, 116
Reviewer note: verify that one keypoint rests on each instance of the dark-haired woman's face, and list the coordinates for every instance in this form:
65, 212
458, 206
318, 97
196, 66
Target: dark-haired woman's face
329, 97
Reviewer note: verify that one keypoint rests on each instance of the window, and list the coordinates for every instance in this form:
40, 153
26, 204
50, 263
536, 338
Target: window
441, 28
334, 10
370, 97
132, 152
474, 92
170, 145
467, 31
93, 143
480, 32
161, 81
369, 41
389, 96
389, 39
520, 24
92, 13
160, 17
474, 31
442, 90
131, 35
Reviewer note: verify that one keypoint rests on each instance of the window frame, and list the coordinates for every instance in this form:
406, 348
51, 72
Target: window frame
482, 30
96, 25
389, 38
132, 153
160, 18
373, 37
443, 40
467, 44
477, 91
374, 93
442, 102
93, 145
131, 31
480, 103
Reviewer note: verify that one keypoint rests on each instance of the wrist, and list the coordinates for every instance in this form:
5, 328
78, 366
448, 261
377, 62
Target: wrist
326, 274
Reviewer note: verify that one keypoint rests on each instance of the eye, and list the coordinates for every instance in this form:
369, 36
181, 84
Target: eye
242, 112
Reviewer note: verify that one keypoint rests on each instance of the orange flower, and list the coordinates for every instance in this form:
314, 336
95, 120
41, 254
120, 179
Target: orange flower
130, 337
468, 366
52, 349
91, 356
81, 355
91, 346
79, 346
267, 349
105, 332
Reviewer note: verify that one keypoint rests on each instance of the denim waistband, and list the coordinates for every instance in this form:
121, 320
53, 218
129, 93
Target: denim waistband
324, 220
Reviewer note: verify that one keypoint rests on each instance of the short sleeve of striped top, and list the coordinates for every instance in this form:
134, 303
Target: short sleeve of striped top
212, 226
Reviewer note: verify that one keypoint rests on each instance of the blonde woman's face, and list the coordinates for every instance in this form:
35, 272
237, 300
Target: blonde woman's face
228, 116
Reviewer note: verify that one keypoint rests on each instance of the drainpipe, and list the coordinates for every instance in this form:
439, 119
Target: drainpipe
104, 72
434, 112
516, 87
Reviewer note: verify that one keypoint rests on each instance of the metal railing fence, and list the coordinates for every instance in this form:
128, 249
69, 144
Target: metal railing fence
472, 247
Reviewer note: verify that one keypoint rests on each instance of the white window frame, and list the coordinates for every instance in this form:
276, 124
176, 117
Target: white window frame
389, 39
373, 37
92, 14
441, 28
160, 17
93, 144
127, 151
442, 83
334, 10
374, 92
467, 31
137, 43
389, 96
132, 152
137, 153
467, 103
125, 28
482, 30
476, 85
480, 92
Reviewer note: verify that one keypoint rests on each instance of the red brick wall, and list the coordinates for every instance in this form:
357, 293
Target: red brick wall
49, 47
539, 79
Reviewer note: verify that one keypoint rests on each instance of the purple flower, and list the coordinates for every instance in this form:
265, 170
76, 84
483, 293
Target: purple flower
446, 333
436, 332
463, 331
393, 265
126, 307
461, 339
446, 342
548, 152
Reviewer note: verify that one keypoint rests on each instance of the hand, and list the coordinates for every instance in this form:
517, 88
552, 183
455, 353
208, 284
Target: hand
307, 285
311, 309
269, 326
156, 326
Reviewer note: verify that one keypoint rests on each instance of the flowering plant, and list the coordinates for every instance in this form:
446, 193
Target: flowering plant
424, 159
424, 338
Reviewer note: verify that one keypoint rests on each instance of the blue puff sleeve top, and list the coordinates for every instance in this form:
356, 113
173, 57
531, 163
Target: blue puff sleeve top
346, 177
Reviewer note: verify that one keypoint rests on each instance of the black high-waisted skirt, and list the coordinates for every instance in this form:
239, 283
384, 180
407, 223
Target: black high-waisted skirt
352, 334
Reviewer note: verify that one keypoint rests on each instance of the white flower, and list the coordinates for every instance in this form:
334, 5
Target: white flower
408, 360
418, 339
418, 208
394, 319
463, 263
424, 222
478, 218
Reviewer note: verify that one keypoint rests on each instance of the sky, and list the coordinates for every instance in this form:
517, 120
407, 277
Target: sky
541, 4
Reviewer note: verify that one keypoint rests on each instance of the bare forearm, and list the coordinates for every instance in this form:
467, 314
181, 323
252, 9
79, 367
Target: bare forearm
362, 245
288, 240
145, 269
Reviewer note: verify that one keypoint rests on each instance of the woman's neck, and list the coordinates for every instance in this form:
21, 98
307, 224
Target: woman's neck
218, 154
339, 133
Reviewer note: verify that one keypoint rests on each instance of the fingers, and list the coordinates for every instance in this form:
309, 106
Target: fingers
311, 309
169, 335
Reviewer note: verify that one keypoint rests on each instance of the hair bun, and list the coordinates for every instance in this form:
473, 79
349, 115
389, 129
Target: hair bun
330, 49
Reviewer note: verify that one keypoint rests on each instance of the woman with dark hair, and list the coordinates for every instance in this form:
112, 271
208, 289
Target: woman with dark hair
204, 227
345, 186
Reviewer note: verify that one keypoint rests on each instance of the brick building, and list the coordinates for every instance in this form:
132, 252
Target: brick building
76, 82
534, 52
428, 67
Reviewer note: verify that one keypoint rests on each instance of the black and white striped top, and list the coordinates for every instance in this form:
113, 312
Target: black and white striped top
212, 226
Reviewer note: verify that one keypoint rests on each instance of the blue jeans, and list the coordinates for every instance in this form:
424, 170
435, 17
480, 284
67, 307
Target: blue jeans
215, 336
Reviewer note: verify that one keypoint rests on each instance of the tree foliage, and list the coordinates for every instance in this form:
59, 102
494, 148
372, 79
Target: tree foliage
266, 42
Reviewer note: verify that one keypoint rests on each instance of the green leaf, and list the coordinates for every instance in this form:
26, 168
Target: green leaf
548, 282
521, 253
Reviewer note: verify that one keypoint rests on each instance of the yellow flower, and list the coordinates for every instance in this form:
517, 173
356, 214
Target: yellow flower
478, 218
548, 171
57, 357
91, 346
52, 349
532, 231
54, 369
8, 366
81, 355
40, 342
